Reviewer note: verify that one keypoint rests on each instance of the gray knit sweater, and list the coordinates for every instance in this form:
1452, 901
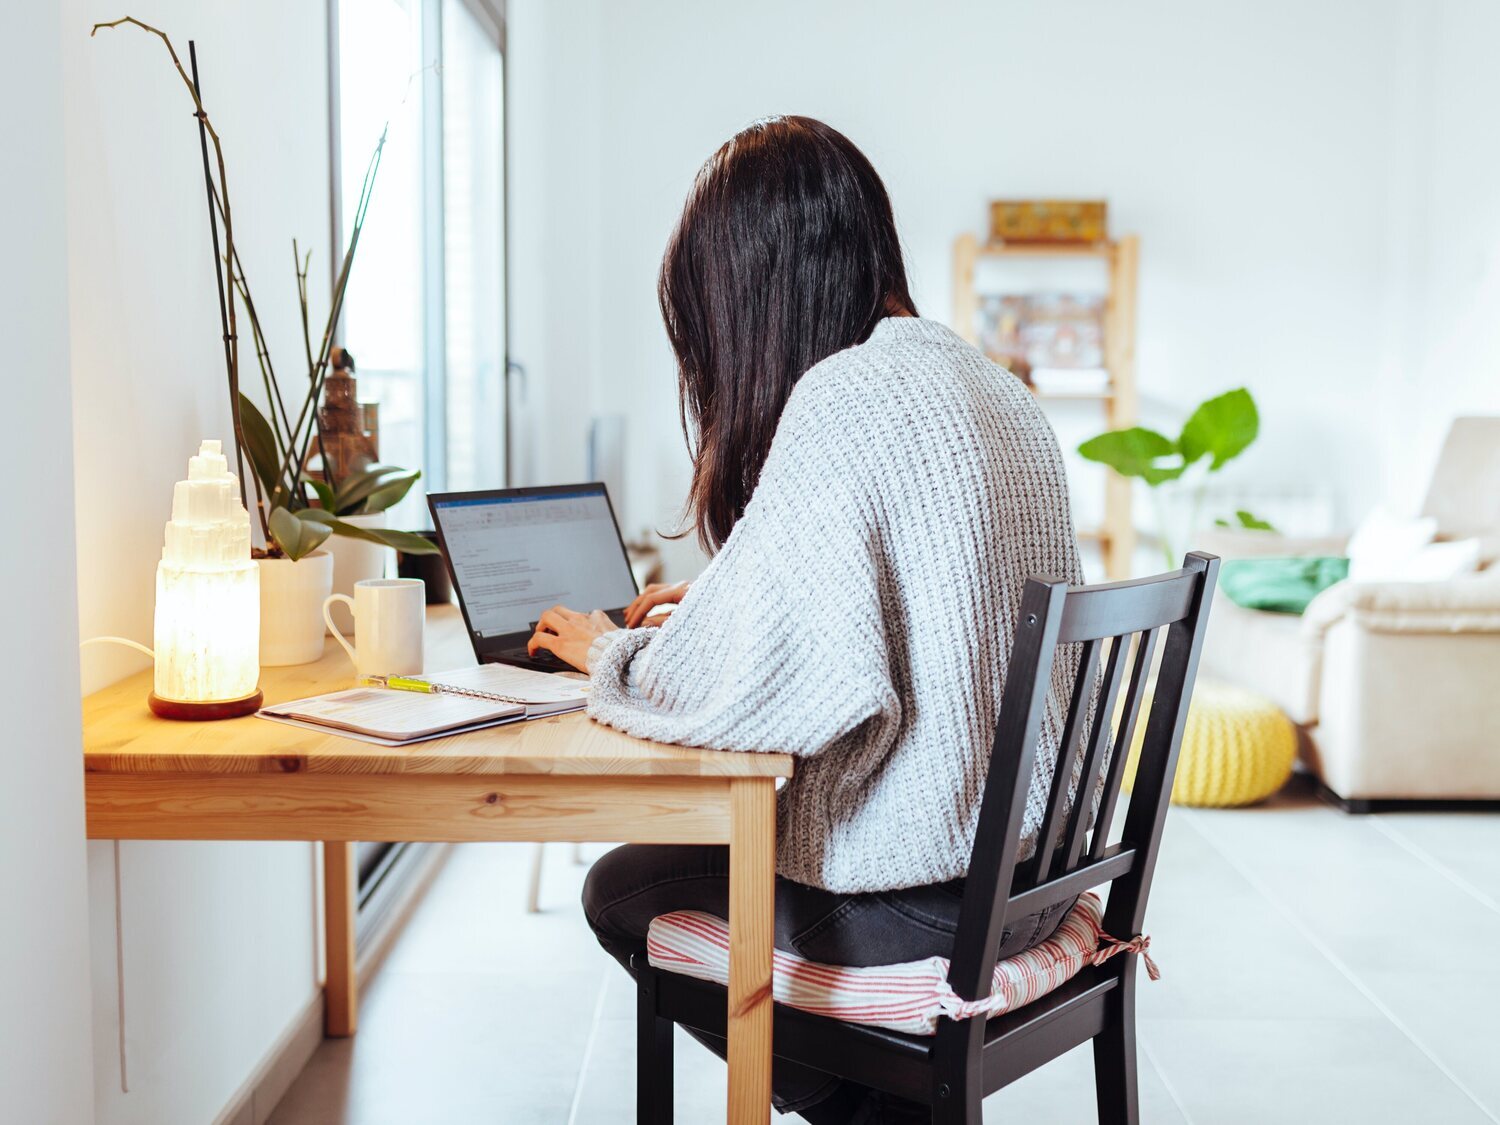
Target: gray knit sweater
861, 614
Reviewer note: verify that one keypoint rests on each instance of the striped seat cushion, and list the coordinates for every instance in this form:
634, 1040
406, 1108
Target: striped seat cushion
908, 997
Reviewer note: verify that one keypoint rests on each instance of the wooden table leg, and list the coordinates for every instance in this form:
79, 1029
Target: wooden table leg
752, 890
340, 900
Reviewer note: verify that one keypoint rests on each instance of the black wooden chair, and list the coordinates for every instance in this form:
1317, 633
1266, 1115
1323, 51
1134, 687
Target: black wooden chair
1113, 625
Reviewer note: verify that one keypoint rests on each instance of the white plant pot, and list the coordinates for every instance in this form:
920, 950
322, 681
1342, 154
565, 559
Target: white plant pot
291, 608
354, 560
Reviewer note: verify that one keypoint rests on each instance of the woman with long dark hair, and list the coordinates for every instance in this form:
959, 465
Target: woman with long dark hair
875, 494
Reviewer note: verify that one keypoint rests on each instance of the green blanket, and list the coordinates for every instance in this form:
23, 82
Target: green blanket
1279, 585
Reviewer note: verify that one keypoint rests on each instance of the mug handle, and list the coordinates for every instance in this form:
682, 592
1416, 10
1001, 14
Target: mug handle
334, 629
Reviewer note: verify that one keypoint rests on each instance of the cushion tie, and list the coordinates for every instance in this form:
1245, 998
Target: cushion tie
1109, 946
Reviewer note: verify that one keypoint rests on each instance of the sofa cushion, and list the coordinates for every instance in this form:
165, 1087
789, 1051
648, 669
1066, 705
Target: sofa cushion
1279, 585
1385, 545
908, 997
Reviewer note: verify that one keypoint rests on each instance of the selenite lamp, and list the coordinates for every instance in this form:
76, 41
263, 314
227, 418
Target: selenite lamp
207, 599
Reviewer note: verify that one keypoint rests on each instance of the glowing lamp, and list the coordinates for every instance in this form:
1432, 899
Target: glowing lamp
207, 599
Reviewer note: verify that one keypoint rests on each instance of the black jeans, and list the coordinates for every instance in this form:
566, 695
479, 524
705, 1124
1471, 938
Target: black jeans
633, 884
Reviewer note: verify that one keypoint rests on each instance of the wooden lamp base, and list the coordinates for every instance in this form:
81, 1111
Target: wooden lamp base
201, 712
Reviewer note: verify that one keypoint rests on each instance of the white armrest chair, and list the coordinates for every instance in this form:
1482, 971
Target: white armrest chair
1397, 684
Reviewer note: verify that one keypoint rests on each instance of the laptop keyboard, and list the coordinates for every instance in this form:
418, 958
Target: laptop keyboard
543, 659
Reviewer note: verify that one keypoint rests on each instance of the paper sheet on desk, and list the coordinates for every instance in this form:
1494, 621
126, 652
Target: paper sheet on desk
396, 716
391, 742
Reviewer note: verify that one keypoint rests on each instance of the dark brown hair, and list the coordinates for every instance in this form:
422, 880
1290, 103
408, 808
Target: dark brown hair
786, 252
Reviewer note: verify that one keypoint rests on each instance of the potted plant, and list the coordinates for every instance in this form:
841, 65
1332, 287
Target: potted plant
295, 574
304, 511
1177, 469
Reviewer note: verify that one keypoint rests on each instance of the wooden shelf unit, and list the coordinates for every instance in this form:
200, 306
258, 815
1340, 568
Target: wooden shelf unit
1116, 535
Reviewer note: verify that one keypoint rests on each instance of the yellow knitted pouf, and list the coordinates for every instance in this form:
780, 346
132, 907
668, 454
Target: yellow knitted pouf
1237, 748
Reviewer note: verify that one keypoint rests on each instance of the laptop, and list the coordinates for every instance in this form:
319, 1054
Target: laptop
514, 553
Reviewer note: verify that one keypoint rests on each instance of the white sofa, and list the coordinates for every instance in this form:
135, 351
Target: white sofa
1397, 684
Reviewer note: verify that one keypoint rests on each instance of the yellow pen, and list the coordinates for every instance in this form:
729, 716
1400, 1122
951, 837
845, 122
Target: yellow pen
427, 687
401, 683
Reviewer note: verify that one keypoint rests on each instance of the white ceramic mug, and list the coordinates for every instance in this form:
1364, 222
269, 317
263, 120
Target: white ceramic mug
389, 614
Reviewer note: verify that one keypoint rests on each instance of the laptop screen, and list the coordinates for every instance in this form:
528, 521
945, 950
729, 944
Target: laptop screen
519, 553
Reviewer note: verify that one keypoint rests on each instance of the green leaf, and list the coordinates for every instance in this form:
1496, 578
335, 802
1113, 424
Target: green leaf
1223, 427
406, 542
1134, 452
353, 489
391, 492
1251, 522
260, 445
324, 492
296, 534
1245, 521
1155, 476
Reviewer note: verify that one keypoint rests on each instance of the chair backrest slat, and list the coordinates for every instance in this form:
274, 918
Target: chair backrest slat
1130, 616
1089, 777
1067, 753
1124, 734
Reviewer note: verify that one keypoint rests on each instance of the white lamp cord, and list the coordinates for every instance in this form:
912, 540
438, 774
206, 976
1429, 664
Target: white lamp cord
118, 641
119, 910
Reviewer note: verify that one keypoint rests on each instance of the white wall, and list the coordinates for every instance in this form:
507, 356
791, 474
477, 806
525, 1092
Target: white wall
1446, 273
219, 940
1254, 148
44, 1014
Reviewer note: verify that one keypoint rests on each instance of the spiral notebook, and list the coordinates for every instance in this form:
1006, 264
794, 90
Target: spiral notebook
435, 706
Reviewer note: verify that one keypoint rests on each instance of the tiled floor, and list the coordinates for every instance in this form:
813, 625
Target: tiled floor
1316, 968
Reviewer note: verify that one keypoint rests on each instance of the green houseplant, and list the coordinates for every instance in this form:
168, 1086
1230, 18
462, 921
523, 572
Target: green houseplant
1217, 432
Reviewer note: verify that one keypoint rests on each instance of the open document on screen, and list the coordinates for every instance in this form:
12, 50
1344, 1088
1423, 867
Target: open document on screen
517, 556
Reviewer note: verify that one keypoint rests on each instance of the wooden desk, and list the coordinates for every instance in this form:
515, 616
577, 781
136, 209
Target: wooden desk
565, 778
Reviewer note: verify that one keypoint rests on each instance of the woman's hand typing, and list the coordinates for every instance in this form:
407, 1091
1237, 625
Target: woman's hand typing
567, 634
655, 594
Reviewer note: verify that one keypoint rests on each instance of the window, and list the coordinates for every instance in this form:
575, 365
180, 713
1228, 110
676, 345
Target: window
424, 312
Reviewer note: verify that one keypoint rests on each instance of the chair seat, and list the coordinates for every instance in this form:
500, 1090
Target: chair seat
908, 997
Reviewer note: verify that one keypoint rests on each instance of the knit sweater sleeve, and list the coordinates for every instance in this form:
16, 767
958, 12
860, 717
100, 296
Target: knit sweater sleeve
778, 646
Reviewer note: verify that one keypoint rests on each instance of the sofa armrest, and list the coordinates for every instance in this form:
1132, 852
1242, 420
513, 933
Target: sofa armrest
1470, 604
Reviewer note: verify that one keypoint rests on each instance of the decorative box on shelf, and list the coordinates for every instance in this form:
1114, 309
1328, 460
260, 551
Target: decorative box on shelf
1049, 220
